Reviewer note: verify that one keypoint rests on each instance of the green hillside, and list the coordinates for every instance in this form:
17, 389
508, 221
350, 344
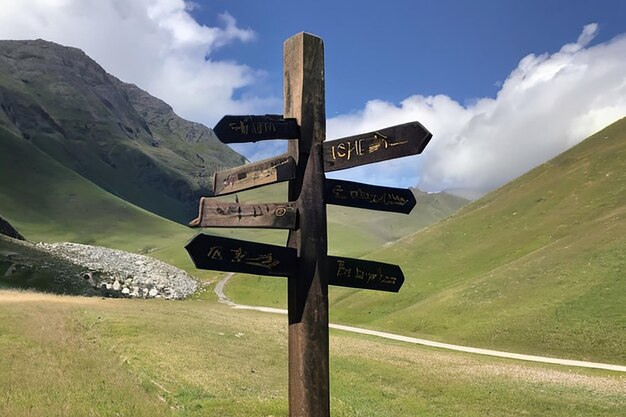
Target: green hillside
112, 133
537, 266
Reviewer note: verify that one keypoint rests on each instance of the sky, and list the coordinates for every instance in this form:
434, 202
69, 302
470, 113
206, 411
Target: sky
502, 85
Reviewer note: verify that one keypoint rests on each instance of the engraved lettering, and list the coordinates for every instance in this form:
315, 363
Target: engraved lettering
215, 252
339, 192
238, 254
342, 271
264, 260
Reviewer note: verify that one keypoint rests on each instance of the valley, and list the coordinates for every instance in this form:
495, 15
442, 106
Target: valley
535, 267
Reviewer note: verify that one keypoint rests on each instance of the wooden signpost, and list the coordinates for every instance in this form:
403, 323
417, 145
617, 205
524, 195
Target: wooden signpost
237, 129
232, 255
392, 142
359, 273
371, 197
261, 215
305, 261
267, 171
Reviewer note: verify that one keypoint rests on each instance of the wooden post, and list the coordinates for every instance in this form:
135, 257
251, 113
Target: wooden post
308, 288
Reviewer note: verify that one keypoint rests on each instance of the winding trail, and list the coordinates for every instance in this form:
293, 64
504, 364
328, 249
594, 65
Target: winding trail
219, 291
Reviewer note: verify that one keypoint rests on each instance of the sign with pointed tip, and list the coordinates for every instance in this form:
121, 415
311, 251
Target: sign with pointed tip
240, 129
359, 273
267, 171
232, 255
261, 215
381, 145
365, 196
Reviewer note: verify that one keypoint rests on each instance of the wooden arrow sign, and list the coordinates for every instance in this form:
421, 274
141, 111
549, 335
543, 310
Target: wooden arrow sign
262, 215
369, 275
372, 197
267, 171
232, 255
238, 129
392, 142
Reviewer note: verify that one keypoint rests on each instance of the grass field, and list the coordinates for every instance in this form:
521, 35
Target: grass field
537, 266
74, 356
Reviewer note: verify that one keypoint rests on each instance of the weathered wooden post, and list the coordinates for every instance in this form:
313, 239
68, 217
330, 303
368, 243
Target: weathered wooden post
305, 260
308, 288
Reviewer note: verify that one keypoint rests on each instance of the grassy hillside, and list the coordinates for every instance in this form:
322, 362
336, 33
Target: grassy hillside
537, 266
110, 357
351, 232
113, 133
46, 201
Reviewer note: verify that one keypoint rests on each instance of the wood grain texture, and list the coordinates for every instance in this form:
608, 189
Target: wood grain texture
214, 213
267, 171
309, 393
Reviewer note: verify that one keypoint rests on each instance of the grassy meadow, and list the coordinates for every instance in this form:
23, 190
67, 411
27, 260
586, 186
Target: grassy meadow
77, 356
535, 267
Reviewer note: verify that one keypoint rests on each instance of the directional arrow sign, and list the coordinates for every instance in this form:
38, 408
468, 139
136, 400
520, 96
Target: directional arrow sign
372, 197
359, 273
232, 255
267, 171
389, 143
262, 215
238, 129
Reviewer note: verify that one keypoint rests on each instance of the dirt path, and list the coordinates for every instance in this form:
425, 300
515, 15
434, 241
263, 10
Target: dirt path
219, 291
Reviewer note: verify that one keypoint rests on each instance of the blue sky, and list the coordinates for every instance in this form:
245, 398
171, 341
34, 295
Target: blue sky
503, 85
392, 49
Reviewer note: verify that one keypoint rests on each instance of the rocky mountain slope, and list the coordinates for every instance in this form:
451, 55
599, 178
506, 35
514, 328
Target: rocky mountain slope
112, 133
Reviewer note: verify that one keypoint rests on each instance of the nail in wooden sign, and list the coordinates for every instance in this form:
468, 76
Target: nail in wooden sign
381, 145
359, 273
365, 196
267, 171
214, 213
238, 129
232, 255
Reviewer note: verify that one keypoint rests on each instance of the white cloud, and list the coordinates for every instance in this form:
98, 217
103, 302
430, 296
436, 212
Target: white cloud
155, 44
546, 105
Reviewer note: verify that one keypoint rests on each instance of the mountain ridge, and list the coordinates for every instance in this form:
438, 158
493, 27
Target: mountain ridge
112, 133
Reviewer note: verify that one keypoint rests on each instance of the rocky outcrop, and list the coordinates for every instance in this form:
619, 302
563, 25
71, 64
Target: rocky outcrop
123, 273
8, 230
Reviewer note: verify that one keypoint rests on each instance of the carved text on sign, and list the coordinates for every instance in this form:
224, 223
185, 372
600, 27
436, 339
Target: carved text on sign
258, 128
380, 145
240, 129
232, 255
366, 196
360, 194
261, 215
359, 273
358, 147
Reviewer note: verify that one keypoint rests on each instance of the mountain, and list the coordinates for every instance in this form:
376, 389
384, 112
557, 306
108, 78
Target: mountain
61, 102
537, 266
